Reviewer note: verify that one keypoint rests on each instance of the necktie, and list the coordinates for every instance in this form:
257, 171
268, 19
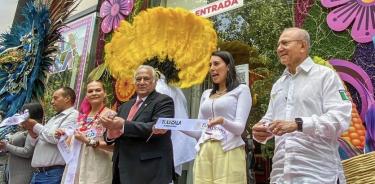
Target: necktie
113, 134
134, 109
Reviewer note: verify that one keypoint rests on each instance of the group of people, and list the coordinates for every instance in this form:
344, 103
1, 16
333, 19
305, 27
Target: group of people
306, 114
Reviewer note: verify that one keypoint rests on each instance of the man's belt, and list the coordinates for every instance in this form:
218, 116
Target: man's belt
45, 169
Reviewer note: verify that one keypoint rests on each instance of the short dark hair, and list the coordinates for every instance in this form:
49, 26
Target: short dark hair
69, 92
35, 111
231, 80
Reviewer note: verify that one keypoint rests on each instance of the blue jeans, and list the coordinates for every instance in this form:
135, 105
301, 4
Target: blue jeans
52, 176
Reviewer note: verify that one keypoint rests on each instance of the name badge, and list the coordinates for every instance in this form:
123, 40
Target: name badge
181, 124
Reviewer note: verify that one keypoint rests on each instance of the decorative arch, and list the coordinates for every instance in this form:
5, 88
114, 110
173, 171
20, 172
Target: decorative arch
358, 78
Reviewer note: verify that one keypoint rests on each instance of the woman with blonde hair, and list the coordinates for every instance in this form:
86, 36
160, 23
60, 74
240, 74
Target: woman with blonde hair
95, 157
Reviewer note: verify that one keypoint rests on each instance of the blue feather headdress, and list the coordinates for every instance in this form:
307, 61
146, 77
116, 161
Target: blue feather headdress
28, 51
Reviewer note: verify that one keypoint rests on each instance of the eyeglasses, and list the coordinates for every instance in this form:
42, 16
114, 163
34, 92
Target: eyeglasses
285, 43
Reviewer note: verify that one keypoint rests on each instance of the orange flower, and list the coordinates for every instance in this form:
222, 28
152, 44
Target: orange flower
125, 89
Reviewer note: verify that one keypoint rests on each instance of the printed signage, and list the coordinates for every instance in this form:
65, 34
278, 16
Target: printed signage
181, 124
217, 7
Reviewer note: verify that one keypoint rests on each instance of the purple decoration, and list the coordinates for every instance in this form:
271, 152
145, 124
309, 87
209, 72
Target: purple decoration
113, 11
100, 48
346, 11
370, 126
347, 150
354, 70
358, 78
364, 56
301, 9
359, 88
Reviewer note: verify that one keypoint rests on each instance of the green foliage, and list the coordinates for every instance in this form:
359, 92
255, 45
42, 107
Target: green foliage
258, 23
54, 82
97, 72
238, 49
58, 80
325, 42
108, 82
267, 19
261, 92
136, 9
244, 54
321, 61
267, 149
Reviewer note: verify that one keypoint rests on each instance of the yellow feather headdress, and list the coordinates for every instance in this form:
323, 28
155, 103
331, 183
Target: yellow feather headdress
167, 34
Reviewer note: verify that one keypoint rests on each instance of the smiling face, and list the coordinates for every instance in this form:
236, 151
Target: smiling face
218, 70
95, 93
144, 82
292, 49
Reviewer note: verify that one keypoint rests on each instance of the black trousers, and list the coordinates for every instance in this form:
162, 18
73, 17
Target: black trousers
116, 173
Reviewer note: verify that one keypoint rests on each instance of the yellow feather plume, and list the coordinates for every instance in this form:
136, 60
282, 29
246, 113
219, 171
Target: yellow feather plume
159, 32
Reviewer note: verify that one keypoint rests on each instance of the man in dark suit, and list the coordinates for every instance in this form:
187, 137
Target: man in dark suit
137, 158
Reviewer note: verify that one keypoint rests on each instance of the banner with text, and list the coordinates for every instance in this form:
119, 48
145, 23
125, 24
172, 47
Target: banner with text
217, 7
181, 124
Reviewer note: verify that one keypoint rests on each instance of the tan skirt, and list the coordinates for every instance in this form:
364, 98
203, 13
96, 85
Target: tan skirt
214, 166
94, 166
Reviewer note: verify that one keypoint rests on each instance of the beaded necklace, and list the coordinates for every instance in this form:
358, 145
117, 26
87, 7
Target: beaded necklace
221, 92
88, 122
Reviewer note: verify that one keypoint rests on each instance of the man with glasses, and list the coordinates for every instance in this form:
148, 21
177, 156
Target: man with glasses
307, 112
139, 156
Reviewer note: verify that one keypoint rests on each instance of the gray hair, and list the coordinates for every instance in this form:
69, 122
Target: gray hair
301, 33
155, 76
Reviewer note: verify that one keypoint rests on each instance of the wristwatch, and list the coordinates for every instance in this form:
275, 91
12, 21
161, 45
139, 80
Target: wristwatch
93, 143
299, 122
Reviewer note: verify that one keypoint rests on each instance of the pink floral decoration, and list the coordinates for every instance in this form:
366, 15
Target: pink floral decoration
301, 10
344, 12
113, 11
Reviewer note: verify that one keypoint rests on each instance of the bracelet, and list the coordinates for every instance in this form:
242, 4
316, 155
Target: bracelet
93, 143
96, 144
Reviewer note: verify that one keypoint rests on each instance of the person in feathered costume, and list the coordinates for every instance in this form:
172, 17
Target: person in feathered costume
27, 52
175, 42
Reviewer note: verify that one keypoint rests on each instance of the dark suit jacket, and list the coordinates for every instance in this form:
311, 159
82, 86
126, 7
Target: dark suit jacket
138, 161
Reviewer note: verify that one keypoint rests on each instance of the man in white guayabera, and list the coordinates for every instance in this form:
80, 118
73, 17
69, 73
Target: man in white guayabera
307, 112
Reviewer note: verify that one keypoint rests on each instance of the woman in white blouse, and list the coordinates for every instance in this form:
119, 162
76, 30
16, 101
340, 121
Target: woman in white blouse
221, 153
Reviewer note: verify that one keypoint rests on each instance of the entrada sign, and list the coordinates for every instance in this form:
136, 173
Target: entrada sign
217, 7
